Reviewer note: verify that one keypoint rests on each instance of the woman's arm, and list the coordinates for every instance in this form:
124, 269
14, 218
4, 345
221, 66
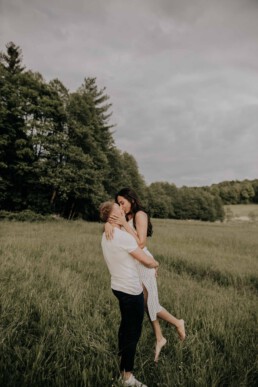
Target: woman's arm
131, 231
121, 221
144, 259
109, 230
141, 222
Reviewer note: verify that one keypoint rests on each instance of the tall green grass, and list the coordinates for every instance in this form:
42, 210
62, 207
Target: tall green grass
59, 319
224, 253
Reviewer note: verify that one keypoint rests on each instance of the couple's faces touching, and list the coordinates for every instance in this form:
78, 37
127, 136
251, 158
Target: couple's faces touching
124, 204
117, 210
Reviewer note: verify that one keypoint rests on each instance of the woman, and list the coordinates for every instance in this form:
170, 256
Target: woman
137, 222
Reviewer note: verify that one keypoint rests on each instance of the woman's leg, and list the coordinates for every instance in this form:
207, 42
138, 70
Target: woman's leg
179, 324
160, 339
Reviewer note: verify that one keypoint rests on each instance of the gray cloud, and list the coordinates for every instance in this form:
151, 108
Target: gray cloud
182, 76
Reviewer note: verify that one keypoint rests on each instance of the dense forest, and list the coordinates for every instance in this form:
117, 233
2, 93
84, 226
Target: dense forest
58, 155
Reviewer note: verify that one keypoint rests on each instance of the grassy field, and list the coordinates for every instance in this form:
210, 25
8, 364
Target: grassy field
59, 319
243, 210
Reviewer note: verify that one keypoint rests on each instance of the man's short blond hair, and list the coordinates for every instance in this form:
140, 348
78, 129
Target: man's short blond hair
105, 210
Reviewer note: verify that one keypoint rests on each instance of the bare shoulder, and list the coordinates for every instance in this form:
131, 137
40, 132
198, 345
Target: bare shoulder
141, 216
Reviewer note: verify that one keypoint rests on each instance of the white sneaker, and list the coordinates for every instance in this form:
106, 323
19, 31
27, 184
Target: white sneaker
133, 382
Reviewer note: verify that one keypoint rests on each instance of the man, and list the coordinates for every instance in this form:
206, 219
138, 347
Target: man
120, 254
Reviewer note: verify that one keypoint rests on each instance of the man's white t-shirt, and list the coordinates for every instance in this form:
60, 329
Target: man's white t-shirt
121, 265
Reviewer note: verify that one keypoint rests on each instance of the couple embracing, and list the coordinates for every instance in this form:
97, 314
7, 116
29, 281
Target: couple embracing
133, 272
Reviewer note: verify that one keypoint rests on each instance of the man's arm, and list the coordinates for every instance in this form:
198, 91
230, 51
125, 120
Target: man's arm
143, 258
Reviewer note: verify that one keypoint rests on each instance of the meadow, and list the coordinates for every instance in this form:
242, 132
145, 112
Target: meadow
59, 318
240, 211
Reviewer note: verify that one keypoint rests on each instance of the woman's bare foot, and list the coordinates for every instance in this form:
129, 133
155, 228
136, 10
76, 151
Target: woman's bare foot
159, 345
181, 330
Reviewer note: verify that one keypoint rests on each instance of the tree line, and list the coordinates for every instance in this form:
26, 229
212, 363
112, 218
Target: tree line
204, 203
58, 154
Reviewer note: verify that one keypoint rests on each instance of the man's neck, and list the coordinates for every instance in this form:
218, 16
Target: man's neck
117, 226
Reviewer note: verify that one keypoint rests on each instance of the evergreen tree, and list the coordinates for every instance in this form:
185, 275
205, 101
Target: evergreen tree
12, 59
131, 176
90, 142
16, 152
47, 127
57, 154
115, 178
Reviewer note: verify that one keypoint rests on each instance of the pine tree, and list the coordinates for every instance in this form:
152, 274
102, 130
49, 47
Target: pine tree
90, 142
16, 153
57, 152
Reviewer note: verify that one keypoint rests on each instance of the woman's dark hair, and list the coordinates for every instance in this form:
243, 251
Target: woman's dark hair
132, 197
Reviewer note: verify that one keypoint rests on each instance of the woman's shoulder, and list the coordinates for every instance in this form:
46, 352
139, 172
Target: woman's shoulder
141, 215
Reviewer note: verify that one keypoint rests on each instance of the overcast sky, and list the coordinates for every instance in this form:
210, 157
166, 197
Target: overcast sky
182, 76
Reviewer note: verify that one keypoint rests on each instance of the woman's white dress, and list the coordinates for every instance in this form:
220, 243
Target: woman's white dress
148, 278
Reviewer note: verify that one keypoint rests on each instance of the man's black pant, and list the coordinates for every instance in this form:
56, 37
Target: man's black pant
132, 312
